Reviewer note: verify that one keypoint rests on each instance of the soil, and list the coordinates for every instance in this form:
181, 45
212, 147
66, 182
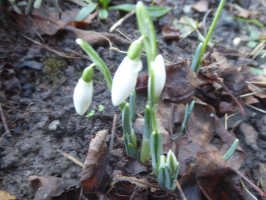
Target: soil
41, 116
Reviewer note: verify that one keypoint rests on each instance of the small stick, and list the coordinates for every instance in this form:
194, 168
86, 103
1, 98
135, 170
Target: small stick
233, 97
247, 190
255, 108
70, 158
182, 195
113, 133
252, 184
120, 21
4, 121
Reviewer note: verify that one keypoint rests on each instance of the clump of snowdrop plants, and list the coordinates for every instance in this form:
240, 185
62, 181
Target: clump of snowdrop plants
122, 86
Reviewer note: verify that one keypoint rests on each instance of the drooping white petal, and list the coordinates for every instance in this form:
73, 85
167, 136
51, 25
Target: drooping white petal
159, 74
82, 96
125, 80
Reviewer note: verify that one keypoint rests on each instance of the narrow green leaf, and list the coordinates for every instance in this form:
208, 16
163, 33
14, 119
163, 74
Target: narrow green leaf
157, 11
132, 151
132, 104
145, 154
103, 13
147, 122
124, 7
133, 139
257, 71
147, 29
85, 11
126, 120
154, 11
232, 149
184, 120
194, 66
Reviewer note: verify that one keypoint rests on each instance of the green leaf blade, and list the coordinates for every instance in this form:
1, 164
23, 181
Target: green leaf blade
85, 11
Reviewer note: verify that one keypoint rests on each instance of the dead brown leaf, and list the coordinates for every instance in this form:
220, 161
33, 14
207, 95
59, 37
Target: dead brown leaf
216, 179
232, 78
186, 155
49, 186
6, 196
46, 22
201, 124
93, 172
181, 82
201, 6
170, 32
133, 166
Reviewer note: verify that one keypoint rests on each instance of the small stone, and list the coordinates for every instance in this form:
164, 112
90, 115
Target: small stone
53, 125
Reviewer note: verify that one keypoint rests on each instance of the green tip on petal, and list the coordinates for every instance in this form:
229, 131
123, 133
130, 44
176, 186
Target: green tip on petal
88, 73
135, 49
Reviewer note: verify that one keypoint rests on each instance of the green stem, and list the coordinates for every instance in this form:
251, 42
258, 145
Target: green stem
154, 121
100, 64
214, 22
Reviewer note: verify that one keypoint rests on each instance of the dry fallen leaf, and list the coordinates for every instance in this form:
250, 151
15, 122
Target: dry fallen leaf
46, 22
93, 172
201, 6
49, 186
181, 82
6, 196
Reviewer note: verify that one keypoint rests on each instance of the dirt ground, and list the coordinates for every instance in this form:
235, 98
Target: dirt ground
40, 114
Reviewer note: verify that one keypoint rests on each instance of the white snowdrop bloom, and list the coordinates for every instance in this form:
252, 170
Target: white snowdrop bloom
159, 75
82, 96
125, 79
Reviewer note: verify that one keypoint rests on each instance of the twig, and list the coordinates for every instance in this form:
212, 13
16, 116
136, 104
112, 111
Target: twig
49, 49
247, 190
113, 133
225, 120
4, 122
204, 21
182, 195
255, 108
70, 158
252, 184
120, 21
233, 97
248, 94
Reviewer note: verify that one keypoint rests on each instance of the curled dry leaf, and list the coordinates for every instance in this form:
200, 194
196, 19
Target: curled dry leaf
93, 172
181, 82
46, 22
232, 78
49, 186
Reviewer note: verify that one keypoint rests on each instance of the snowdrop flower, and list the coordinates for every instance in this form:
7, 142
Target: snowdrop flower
159, 76
84, 90
125, 79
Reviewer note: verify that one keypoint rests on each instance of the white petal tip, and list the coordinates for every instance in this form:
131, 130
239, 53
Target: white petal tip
78, 41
